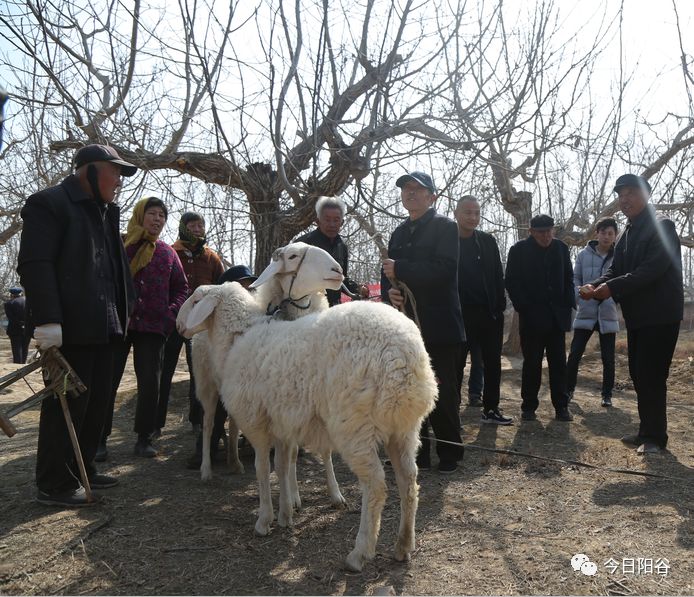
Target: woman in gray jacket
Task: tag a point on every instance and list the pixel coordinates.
(593, 315)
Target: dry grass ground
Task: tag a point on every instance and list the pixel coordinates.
(501, 524)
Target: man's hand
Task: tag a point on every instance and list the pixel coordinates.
(47, 335)
(396, 298)
(602, 292)
(586, 292)
(389, 268)
(364, 291)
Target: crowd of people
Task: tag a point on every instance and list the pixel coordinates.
(98, 295)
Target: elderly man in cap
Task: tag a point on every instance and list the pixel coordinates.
(79, 292)
(423, 254)
(539, 280)
(646, 280)
(201, 266)
(17, 328)
(330, 215)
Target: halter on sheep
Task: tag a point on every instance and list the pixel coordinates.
(299, 268)
(349, 378)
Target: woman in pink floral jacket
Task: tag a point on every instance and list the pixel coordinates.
(161, 288)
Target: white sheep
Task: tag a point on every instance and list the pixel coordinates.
(350, 378)
(291, 286)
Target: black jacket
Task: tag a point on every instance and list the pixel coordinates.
(338, 251)
(492, 273)
(15, 309)
(63, 263)
(645, 277)
(426, 259)
(540, 284)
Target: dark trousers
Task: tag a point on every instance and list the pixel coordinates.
(650, 355)
(445, 418)
(475, 379)
(535, 344)
(20, 347)
(147, 356)
(172, 350)
(56, 469)
(578, 347)
(487, 334)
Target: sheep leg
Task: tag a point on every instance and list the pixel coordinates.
(282, 468)
(209, 406)
(369, 471)
(262, 472)
(235, 465)
(336, 498)
(402, 457)
(293, 484)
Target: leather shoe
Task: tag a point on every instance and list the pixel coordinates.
(632, 440)
(564, 414)
(144, 448)
(99, 481)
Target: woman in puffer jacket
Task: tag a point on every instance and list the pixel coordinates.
(593, 315)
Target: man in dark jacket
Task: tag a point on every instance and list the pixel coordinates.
(330, 215)
(423, 254)
(539, 280)
(17, 329)
(483, 301)
(646, 280)
(79, 293)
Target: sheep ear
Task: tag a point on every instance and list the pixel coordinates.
(201, 311)
(275, 267)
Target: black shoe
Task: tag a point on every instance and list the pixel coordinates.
(72, 498)
(447, 468)
(423, 464)
(494, 417)
(99, 481)
(632, 440)
(474, 400)
(528, 415)
(101, 452)
(144, 448)
(606, 401)
(156, 434)
(563, 414)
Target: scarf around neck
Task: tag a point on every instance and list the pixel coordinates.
(136, 233)
(195, 244)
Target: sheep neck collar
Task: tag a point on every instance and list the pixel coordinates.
(284, 303)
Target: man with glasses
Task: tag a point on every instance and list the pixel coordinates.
(646, 280)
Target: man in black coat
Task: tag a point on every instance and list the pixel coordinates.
(330, 215)
(646, 280)
(423, 254)
(79, 292)
(17, 329)
(539, 280)
(483, 301)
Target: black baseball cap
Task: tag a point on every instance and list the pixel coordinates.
(632, 180)
(102, 153)
(542, 222)
(419, 177)
(236, 273)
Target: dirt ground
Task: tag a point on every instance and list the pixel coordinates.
(500, 525)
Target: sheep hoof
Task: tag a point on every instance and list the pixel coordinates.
(354, 561)
(339, 502)
(237, 469)
(285, 520)
(262, 528)
(403, 549)
(205, 475)
(296, 503)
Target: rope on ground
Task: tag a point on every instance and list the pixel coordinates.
(609, 469)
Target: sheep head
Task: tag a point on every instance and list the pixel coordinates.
(303, 268)
(226, 307)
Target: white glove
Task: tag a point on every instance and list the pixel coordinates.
(47, 335)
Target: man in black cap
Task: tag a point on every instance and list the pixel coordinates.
(17, 329)
(330, 216)
(539, 280)
(423, 254)
(646, 280)
(79, 293)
